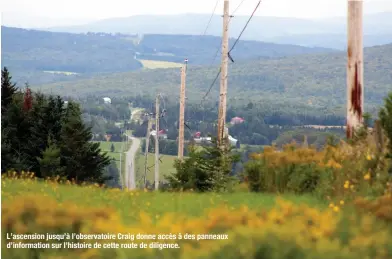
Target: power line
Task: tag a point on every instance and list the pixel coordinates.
(235, 43)
(246, 25)
(236, 9)
(212, 15)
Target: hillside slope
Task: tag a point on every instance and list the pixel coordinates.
(200, 50)
(32, 54)
(30, 50)
(314, 80)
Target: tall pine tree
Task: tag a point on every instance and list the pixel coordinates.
(82, 159)
(8, 89)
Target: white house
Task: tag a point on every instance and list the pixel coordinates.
(200, 140)
(107, 100)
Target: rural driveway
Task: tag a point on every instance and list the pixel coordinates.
(130, 176)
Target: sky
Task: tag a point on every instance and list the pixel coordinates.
(67, 12)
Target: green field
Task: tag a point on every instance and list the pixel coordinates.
(275, 226)
(165, 167)
(154, 64)
(105, 147)
(62, 73)
(153, 203)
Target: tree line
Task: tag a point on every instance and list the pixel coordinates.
(262, 124)
(43, 134)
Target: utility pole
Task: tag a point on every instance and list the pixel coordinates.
(182, 113)
(355, 89)
(157, 115)
(223, 81)
(146, 150)
(121, 178)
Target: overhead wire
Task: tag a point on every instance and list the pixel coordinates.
(238, 7)
(212, 15)
(246, 25)
(235, 43)
(215, 56)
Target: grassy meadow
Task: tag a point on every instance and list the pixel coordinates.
(62, 72)
(105, 147)
(155, 64)
(165, 167)
(305, 204)
(257, 225)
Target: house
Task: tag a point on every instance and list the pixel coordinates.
(205, 140)
(236, 120)
(162, 134)
(107, 100)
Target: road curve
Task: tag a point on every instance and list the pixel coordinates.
(130, 175)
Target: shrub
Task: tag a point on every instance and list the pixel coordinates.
(341, 170)
(206, 169)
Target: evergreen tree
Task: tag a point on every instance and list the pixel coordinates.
(8, 89)
(15, 135)
(50, 163)
(83, 159)
(207, 169)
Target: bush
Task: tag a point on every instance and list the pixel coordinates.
(205, 169)
(292, 170)
(341, 170)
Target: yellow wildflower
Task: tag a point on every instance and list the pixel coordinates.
(342, 202)
(367, 176)
(336, 208)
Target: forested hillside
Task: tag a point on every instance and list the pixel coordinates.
(201, 50)
(41, 57)
(313, 81)
(78, 53)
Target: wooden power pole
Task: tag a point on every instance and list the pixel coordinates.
(157, 115)
(182, 113)
(355, 89)
(223, 82)
(146, 150)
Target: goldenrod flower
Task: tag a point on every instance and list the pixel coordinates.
(367, 176)
(342, 202)
(336, 208)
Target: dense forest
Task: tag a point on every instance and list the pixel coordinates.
(315, 82)
(43, 134)
(34, 55)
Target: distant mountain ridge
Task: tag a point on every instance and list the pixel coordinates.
(261, 28)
